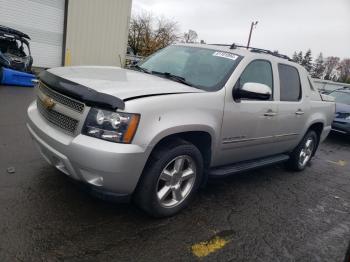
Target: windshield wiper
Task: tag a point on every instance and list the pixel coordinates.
(170, 76)
(139, 68)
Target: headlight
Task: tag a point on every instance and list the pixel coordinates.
(111, 126)
(345, 116)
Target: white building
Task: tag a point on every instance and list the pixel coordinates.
(71, 32)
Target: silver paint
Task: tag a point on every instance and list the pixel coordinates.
(250, 131)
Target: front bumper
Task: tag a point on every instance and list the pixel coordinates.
(106, 167)
(341, 126)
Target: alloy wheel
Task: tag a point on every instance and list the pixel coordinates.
(176, 181)
(306, 152)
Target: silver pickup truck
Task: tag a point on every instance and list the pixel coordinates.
(154, 134)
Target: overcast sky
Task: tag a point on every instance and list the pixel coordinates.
(284, 25)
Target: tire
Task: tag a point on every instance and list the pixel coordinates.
(304, 152)
(163, 191)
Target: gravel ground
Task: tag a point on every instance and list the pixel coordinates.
(265, 215)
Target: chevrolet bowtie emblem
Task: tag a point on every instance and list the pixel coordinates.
(48, 102)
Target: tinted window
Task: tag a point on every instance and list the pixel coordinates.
(290, 87)
(258, 71)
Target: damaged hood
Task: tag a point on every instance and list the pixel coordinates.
(121, 83)
(12, 32)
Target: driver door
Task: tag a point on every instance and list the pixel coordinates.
(249, 125)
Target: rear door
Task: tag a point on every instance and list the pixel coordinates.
(292, 107)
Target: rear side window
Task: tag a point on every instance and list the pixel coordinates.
(290, 87)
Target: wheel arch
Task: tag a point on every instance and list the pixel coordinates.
(317, 121)
(318, 128)
(203, 140)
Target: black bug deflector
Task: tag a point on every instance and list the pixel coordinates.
(82, 93)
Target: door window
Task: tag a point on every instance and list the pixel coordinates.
(290, 87)
(258, 71)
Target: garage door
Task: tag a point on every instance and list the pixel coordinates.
(43, 21)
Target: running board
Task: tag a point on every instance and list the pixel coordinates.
(247, 165)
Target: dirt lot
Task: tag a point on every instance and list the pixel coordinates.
(265, 215)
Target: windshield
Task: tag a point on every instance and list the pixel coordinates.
(202, 68)
(341, 97)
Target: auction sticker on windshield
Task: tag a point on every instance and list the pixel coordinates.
(226, 55)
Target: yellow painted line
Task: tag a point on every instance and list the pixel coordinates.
(205, 248)
(339, 163)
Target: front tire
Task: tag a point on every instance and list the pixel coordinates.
(304, 152)
(170, 179)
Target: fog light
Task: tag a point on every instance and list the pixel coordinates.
(60, 165)
(92, 179)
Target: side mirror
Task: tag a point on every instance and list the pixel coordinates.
(254, 91)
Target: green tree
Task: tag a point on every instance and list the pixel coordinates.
(307, 60)
(300, 57)
(319, 67)
(295, 57)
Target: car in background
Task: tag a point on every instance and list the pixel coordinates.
(131, 58)
(14, 50)
(341, 123)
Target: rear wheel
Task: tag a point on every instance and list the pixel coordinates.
(304, 152)
(170, 179)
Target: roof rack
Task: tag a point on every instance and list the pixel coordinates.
(256, 50)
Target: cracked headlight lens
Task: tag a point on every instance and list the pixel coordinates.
(111, 126)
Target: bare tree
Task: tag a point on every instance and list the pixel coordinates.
(345, 70)
(190, 37)
(140, 32)
(147, 34)
(331, 65)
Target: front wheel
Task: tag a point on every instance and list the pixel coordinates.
(304, 152)
(170, 180)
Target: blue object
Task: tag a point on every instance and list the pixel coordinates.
(16, 78)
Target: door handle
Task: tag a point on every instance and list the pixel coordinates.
(270, 113)
(299, 112)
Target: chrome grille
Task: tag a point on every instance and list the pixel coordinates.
(62, 121)
(64, 100)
